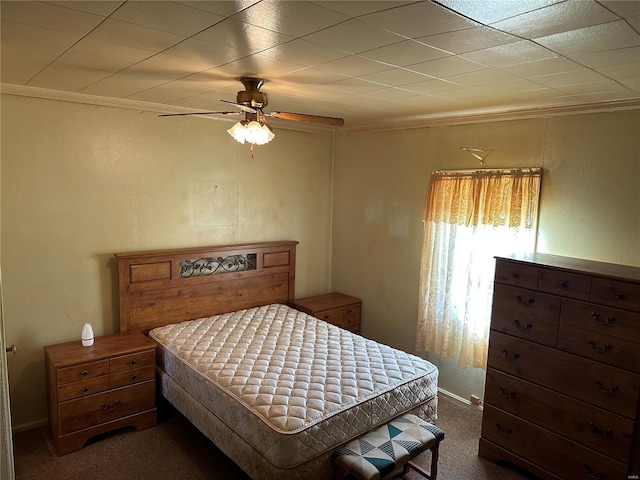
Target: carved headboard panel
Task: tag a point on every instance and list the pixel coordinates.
(169, 286)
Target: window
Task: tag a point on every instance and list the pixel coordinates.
(470, 217)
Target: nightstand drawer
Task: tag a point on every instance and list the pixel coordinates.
(82, 371)
(129, 377)
(563, 283)
(103, 407)
(513, 273)
(616, 294)
(83, 388)
(344, 317)
(134, 360)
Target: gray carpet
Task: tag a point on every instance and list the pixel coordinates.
(176, 450)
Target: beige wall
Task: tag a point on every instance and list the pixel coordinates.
(81, 182)
(589, 208)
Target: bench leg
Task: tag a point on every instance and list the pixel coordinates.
(433, 473)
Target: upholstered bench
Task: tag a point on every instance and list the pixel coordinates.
(393, 445)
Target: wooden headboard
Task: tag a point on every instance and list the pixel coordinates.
(168, 286)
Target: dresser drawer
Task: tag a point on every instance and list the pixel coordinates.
(344, 317)
(524, 323)
(82, 371)
(134, 360)
(594, 427)
(564, 283)
(83, 388)
(129, 377)
(104, 407)
(529, 303)
(616, 294)
(548, 450)
(517, 274)
(601, 320)
(615, 351)
(592, 382)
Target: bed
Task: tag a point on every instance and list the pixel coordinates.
(275, 389)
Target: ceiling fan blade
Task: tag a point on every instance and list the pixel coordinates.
(242, 107)
(197, 113)
(302, 117)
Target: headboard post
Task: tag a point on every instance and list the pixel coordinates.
(159, 287)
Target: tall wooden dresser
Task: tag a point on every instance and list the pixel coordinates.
(563, 377)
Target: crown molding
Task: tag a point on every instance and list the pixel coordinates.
(422, 122)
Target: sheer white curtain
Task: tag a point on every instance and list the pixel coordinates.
(470, 217)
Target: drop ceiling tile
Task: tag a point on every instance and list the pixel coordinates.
(557, 18)
(547, 66)
(22, 61)
(68, 77)
(166, 16)
(605, 97)
(125, 84)
(446, 67)
(115, 31)
(469, 40)
(624, 8)
(488, 12)
(390, 93)
(256, 65)
(303, 78)
(354, 36)
(361, 7)
(481, 77)
(304, 53)
(608, 57)
(221, 7)
(511, 54)
(354, 86)
(102, 8)
(432, 86)
(80, 60)
(49, 16)
(394, 77)
(179, 89)
(568, 78)
(404, 53)
(633, 83)
(169, 66)
(36, 35)
(418, 20)
(291, 18)
(595, 87)
(204, 51)
(124, 54)
(608, 36)
(243, 37)
(635, 22)
(356, 65)
(621, 71)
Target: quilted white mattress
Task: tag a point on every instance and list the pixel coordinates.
(292, 386)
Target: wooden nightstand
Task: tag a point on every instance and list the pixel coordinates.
(336, 308)
(92, 390)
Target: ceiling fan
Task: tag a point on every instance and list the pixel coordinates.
(251, 101)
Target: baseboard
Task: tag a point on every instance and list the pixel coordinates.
(29, 426)
(457, 397)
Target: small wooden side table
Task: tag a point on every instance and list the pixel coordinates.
(336, 308)
(96, 389)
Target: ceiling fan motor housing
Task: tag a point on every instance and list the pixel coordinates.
(251, 95)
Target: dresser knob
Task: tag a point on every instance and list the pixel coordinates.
(326, 317)
(600, 433)
(525, 303)
(603, 349)
(597, 319)
(133, 377)
(620, 296)
(111, 408)
(85, 373)
(85, 389)
(608, 391)
(515, 275)
(521, 326)
(506, 394)
(515, 356)
(503, 431)
(132, 362)
(564, 284)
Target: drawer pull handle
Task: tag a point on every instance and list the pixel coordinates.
(620, 296)
(506, 394)
(503, 431)
(85, 373)
(598, 432)
(522, 302)
(85, 389)
(521, 326)
(108, 408)
(608, 321)
(132, 362)
(349, 311)
(592, 474)
(515, 356)
(564, 284)
(609, 391)
(594, 347)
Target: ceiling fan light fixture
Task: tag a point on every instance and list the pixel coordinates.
(251, 132)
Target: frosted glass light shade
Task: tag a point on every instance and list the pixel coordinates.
(252, 132)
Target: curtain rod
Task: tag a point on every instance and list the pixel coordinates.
(491, 170)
